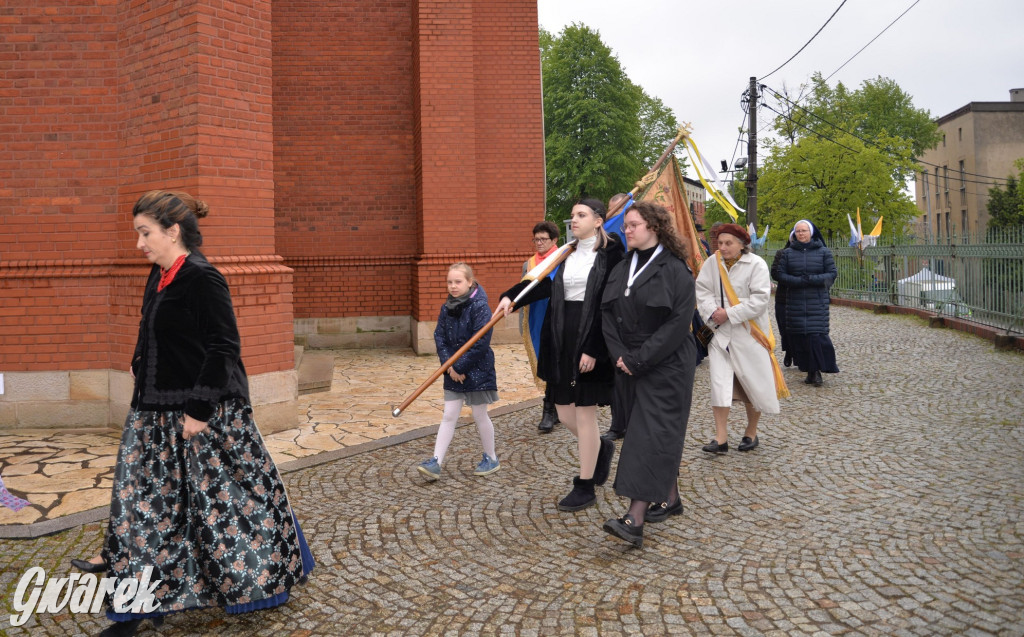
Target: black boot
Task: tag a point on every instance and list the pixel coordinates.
(817, 379)
(581, 496)
(604, 462)
(548, 418)
(121, 629)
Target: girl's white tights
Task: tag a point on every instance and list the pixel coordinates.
(446, 431)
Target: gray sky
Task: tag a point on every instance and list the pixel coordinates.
(698, 57)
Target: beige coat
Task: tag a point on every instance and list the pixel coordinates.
(733, 352)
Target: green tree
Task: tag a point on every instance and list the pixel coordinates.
(876, 112)
(841, 150)
(824, 180)
(1005, 205)
(602, 131)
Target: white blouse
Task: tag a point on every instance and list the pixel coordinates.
(577, 269)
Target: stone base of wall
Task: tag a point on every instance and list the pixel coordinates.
(100, 399)
(361, 332)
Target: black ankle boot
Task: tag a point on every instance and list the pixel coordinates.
(817, 379)
(581, 496)
(121, 629)
(604, 462)
(548, 418)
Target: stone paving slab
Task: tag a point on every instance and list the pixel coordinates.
(887, 502)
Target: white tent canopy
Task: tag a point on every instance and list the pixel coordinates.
(925, 288)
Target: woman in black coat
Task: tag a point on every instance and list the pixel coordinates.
(647, 309)
(780, 307)
(573, 358)
(807, 270)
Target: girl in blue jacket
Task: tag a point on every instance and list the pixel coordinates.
(471, 379)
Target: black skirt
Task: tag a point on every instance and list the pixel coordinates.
(813, 353)
(572, 386)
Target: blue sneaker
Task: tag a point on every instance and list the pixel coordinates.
(430, 468)
(487, 466)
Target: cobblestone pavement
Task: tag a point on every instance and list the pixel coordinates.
(886, 502)
(62, 474)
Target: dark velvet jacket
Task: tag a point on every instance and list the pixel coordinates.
(589, 339)
(454, 328)
(188, 353)
(807, 270)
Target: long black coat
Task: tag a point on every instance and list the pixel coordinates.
(650, 330)
(589, 339)
(807, 270)
(780, 299)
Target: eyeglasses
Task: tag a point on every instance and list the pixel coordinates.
(544, 240)
(630, 227)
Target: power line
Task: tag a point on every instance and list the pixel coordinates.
(890, 163)
(808, 42)
(873, 39)
(867, 141)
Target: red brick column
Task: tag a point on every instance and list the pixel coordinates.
(107, 101)
(479, 145)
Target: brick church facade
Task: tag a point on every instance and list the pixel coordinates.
(349, 151)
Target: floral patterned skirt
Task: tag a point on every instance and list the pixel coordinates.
(210, 514)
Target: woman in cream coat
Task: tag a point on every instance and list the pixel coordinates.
(741, 368)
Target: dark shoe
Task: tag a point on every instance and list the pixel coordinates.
(581, 496)
(810, 378)
(604, 462)
(613, 435)
(747, 444)
(817, 379)
(625, 528)
(714, 447)
(121, 629)
(661, 511)
(787, 360)
(88, 567)
(548, 418)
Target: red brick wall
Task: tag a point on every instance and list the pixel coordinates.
(58, 183)
(370, 144)
(100, 102)
(479, 141)
(343, 154)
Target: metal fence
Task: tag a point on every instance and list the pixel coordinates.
(977, 278)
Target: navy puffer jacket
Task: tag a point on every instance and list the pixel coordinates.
(454, 328)
(807, 270)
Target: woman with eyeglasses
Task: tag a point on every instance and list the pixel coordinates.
(573, 357)
(646, 310)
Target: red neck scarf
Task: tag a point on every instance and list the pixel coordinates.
(166, 276)
(541, 257)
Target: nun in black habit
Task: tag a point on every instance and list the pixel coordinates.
(647, 308)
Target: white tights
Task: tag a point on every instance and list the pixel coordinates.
(446, 431)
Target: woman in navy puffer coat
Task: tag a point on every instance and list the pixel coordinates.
(471, 379)
(807, 270)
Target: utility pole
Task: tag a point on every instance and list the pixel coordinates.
(752, 155)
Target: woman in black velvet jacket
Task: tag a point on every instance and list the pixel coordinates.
(196, 496)
(573, 357)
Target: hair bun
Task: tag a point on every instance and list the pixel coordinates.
(201, 209)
